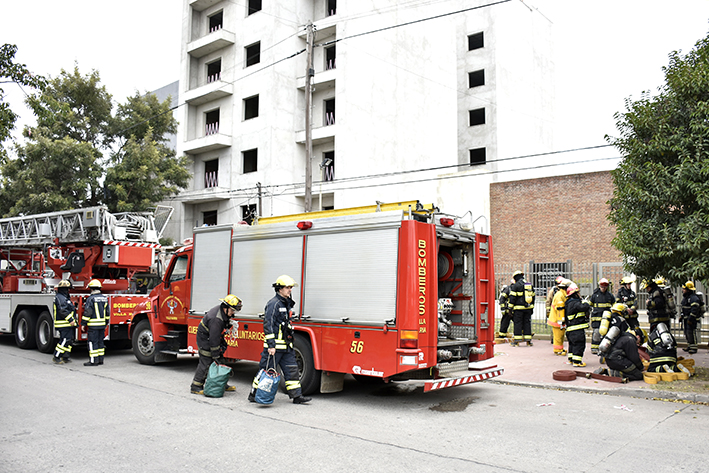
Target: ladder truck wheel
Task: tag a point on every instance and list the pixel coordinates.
(45, 333)
(143, 343)
(25, 326)
(309, 376)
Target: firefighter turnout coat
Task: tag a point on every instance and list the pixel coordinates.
(277, 328)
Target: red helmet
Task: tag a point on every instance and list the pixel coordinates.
(603, 282)
(572, 289)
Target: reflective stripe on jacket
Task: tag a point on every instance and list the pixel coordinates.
(96, 311)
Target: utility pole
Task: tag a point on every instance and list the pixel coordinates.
(258, 185)
(309, 73)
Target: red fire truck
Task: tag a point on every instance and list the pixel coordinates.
(37, 251)
(392, 292)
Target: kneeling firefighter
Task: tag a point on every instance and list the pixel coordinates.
(622, 355)
(278, 341)
(210, 339)
(663, 350)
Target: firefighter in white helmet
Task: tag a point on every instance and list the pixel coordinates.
(64, 321)
(601, 301)
(210, 339)
(96, 317)
(278, 341)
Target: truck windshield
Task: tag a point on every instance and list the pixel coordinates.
(179, 270)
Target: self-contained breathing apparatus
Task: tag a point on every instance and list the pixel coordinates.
(608, 339)
(661, 336)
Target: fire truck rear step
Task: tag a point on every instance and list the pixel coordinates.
(462, 377)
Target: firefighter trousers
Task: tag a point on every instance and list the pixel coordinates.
(577, 344)
(200, 376)
(289, 367)
(558, 339)
(96, 346)
(523, 325)
(505, 321)
(691, 333)
(595, 335)
(65, 343)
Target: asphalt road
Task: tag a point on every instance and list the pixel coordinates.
(124, 416)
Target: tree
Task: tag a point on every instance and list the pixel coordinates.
(59, 168)
(660, 205)
(144, 170)
(19, 74)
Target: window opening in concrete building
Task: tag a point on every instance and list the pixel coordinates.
(475, 41)
(211, 173)
(214, 71)
(331, 7)
(216, 21)
(477, 116)
(330, 57)
(248, 212)
(329, 112)
(476, 78)
(254, 6)
(253, 54)
(211, 122)
(250, 158)
(477, 156)
(209, 218)
(251, 107)
(328, 166)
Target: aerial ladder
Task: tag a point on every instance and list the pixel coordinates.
(37, 251)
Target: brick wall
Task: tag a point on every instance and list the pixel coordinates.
(553, 219)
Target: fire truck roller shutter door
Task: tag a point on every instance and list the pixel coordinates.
(210, 266)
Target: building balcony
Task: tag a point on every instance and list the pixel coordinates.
(202, 196)
(320, 135)
(321, 80)
(207, 143)
(212, 42)
(199, 5)
(208, 92)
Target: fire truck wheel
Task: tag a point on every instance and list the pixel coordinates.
(309, 376)
(45, 333)
(143, 343)
(25, 330)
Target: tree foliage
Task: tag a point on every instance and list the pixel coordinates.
(660, 204)
(80, 154)
(19, 74)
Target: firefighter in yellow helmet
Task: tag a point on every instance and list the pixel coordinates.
(278, 341)
(96, 317)
(210, 339)
(622, 357)
(627, 296)
(657, 310)
(64, 321)
(691, 318)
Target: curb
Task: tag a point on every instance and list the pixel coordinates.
(620, 392)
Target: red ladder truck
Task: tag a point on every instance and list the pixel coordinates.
(37, 251)
(392, 292)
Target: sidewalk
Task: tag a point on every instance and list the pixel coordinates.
(533, 366)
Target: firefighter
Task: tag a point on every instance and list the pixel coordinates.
(505, 310)
(691, 317)
(576, 321)
(210, 339)
(601, 301)
(95, 318)
(278, 340)
(615, 317)
(522, 301)
(627, 296)
(556, 317)
(663, 350)
(551, 293)
(656, 303)
(64, 322)
(623, 358)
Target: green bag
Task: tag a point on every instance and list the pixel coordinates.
(216, 380)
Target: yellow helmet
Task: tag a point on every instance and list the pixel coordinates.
(626, 280)
(641, 333)
(573, 288)
(284, 281)
(95, 284)
(660, 281)
(64, 283)
(689, 285)
(232, 301)
(619, 308)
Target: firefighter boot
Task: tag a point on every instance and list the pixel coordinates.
(195, 389)
(252, 396)
(301, 399)
(88, 363)
(229, 387)
(58, 361)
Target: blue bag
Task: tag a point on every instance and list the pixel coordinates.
(217, 378)
(268, 381)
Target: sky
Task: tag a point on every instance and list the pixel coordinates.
(605, 50)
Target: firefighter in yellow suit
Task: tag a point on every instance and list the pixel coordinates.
(556, 317)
